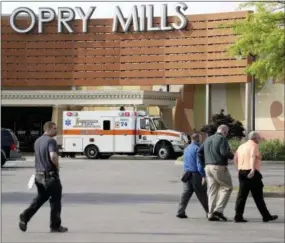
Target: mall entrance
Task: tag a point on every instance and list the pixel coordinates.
(26, 122)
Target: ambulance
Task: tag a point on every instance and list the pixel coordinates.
(101, 134)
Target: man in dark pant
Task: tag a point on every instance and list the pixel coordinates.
(193, 178)
(248, 163)
(47, 180)
(49, 187)
(255, 186)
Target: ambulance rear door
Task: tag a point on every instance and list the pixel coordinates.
(105, 137)
(125, 133)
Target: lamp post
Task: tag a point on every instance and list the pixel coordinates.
(253, 83)
(253, 98)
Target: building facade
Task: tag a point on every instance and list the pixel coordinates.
(103, 70)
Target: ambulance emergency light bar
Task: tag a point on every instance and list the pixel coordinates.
(127, 113)
(121, 113)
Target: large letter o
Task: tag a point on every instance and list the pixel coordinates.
(21, 10)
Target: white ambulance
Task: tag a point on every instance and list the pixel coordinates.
(101, 134)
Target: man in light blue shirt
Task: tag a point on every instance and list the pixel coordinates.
(193, 178)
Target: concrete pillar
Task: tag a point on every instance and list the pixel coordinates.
(208, 104)
(247, 108)
(167, 116)
(57, 117)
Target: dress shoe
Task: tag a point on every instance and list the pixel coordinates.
(240, 220)
(182, 216)
(23, 226)
(220, 216)
(61, 229)
(213, 218)
(271, 218)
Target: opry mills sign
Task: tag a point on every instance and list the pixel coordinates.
(141, 17)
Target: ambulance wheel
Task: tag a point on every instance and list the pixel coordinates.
(164, 151)
(92, 152)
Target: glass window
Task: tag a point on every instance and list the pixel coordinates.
(6, 137)
(142, 124)
(159, 124)
(106, 125)
(152, 127)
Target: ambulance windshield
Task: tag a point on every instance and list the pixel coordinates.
(159, 124)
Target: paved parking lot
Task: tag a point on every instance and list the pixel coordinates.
(130, 200)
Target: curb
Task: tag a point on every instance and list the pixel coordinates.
(274, 194)
(267, 194)
(178, 162)
(274, 162)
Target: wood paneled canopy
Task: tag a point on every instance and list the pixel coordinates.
(196, 55)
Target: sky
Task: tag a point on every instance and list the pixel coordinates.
(106, 9)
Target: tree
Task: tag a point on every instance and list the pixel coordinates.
(262, 36)
(236, 129)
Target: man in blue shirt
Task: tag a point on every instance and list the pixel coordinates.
(193, 178)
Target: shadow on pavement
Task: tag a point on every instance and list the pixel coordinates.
(114, 157)
(120, 158)
(148, 233)
(20, 167)
(123, 233)
(93, 198)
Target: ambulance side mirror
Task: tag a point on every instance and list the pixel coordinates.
(147, 126)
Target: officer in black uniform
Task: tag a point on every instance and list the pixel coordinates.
(47, 180)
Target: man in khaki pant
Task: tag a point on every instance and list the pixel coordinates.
(215, 151)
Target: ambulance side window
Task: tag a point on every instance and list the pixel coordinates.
(146, 124)
(142, 124)
(106, 125)
(151, 126)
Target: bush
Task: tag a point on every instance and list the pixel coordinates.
(272, 150)
(236, 129)
(235, 143)
(269, 149)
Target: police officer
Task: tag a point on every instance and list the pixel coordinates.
(47, 180)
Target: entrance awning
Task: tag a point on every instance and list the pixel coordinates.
(87, 98)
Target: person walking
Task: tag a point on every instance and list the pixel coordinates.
(193, 178)
(247, 161)
(215, 150)
(47, 180)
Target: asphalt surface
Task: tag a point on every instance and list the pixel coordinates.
(130, 200)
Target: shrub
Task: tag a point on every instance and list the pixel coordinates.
(236, 129)
(269, 149)
(272, 150)
(235, 143)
